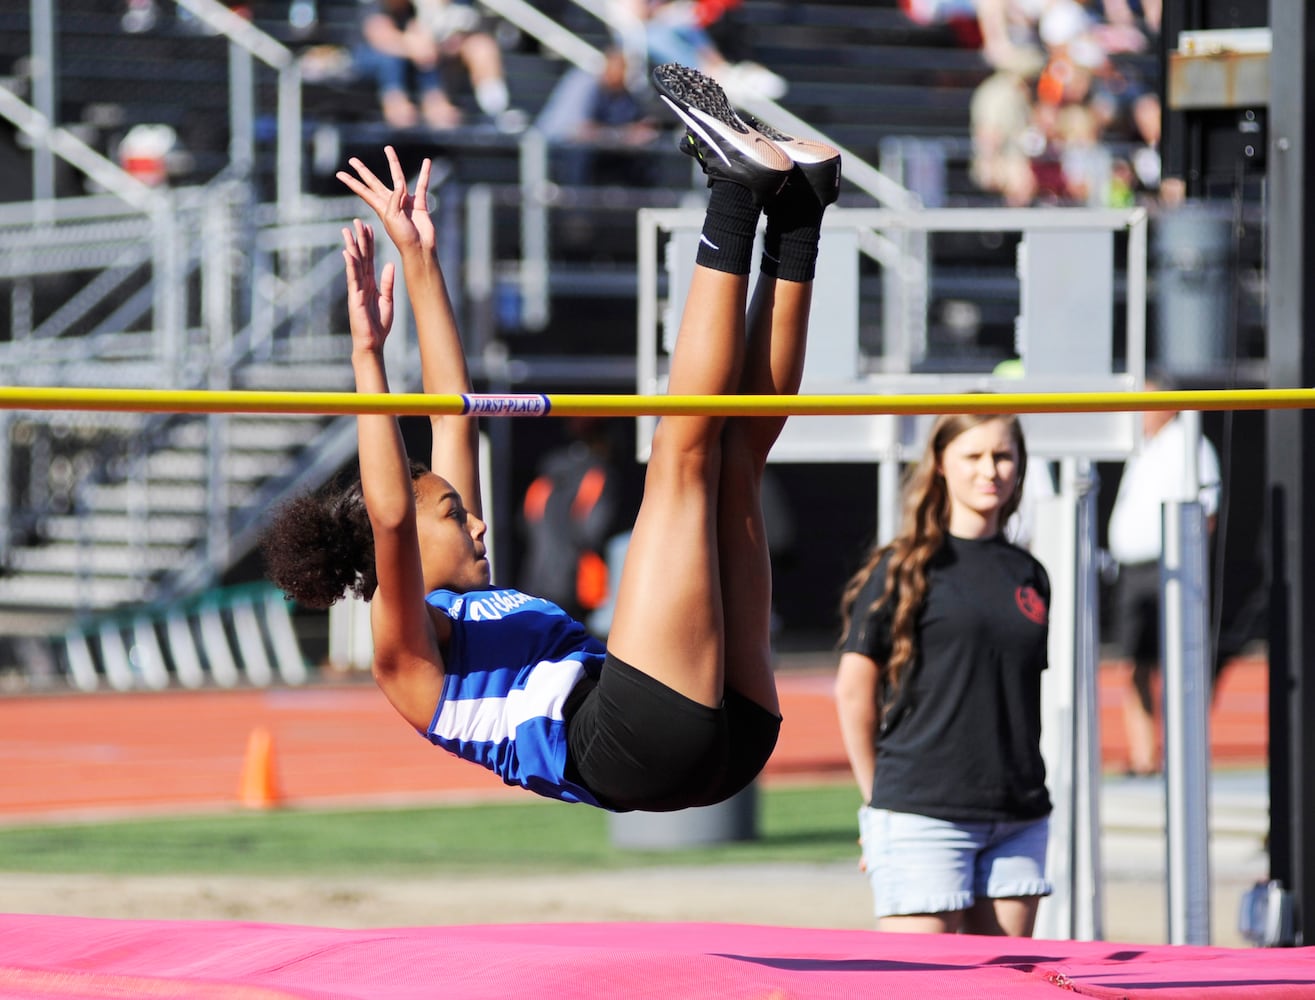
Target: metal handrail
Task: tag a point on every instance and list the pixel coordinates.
(245, 37)
(548, 33)
(68, 147)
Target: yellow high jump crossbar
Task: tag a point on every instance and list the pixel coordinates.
(619, 405)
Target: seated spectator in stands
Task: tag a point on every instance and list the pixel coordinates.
(959, 16)
(1009, 33)
(1070, 165)
(1141, 15)
(598, 111)
(1145, 157)
(618, 114)
(732, 33)
(1084, 159)
(1054, 159)
(404, 45)
(722, 21)
(1000, 115)
(139, 16)
(142, 15)
(1127, 108)
(1045, 153)
(672, 33)
(1074, 54)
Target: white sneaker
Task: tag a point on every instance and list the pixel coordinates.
(748, 79)
(511, 121)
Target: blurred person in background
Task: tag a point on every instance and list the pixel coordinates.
(1154, 474)
(570, 510)
(403, 46)
(602, 121)
(677, 31)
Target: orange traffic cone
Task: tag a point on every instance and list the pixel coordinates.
(260, 787)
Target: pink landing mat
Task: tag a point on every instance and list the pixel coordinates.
(80, 959)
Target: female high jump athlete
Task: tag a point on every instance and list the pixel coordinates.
(680, 708)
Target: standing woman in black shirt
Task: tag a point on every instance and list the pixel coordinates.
(939, 695)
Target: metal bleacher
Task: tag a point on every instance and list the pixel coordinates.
(230, 277)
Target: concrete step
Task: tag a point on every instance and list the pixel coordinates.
(164, 497)
(194, 466)
(252, 433)
(318, 375)
(160, 527)
(61, 592)
(98, 560)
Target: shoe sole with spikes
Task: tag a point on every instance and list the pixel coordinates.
(724, 145)
(818, 162)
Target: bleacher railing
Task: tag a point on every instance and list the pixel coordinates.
(246, 43)
(226, 637)
(195, 287)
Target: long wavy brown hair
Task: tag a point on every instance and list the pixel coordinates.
(922, 532)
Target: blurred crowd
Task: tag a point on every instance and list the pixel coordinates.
(1070, 114)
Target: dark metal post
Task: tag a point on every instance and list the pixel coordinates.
(1291, 467)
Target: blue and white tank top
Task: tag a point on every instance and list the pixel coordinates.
(510, 664)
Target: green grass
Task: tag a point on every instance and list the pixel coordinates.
(806, 825)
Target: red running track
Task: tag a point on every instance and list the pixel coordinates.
(71, 755)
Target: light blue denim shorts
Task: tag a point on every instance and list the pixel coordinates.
(917, 864)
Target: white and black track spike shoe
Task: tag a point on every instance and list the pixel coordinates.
(724, 145)
(818, 162)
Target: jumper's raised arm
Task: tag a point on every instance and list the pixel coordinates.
(406, 220)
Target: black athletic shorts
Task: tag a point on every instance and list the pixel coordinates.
(1137, 611)
(638, 745)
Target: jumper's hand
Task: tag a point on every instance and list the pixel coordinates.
(405, 216)
(369, 302)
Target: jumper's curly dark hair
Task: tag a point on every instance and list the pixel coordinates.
(926, 518)
(319, 547)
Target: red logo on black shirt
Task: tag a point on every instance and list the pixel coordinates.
(1030, 603)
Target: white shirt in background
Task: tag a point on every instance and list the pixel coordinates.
(1150, 477)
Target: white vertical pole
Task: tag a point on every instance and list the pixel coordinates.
(1052, 543)
(1064, 541)
(1088, 877)
(1186, 723)
(888, 499)
(1184, 638)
